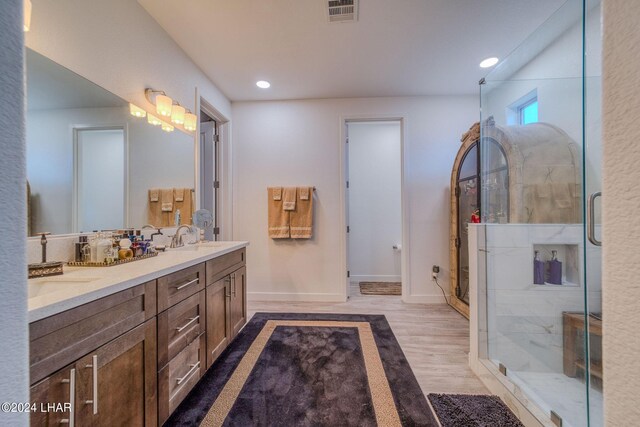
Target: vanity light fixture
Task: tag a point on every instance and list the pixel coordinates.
(190, 121)
(153, 120)
(27, 14)
(167, 127)
(489, 62)
(136, 111)
(263, 84)
(177, 114)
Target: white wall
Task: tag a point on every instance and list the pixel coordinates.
(621, 199)
(119, 46)
(156, 159)
(556, 74)
(14, 357)
(375, 204)
(299, 143)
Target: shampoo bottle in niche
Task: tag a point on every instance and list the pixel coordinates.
(538, 270)
(555, 269)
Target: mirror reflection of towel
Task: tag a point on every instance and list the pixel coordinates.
(178, 194)
(154, 195)
(167, 199)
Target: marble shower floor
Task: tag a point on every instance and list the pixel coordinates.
(433, 337)
(567, 394)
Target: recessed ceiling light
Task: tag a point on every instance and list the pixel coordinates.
(489, 62)
(262, 84)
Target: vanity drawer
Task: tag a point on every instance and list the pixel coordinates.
(179, 326)
(58, 340)
(177, 379)
(219, 267)
(180, 285)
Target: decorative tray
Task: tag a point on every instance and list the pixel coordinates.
(111, 264)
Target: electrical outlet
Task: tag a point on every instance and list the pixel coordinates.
(434, 272)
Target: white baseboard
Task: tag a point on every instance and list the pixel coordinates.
(424, 299)
(363, 278)
(293, 296)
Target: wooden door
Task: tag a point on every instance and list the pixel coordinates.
(117, 383)
(238, 300)
(219, 330)
(55, 399)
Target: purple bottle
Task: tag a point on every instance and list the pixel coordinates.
(538, 270)
(555, 269)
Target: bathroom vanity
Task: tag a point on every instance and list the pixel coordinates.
(124, 345)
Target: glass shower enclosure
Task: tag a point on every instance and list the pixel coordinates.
(540, 177)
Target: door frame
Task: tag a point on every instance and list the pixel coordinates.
(74, 195)
(404, 199)
(224, 198)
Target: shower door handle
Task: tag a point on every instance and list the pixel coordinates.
(591, 221)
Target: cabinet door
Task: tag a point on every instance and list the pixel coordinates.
(238, 300)
(117, 383)
(55, 399)
(218, 297)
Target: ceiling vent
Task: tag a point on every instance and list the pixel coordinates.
(342, 10)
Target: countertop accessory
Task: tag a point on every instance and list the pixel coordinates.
(116, 262)
(45, 268)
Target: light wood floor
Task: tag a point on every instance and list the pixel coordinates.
(434, 337)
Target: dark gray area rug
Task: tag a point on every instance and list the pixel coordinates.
(308, 375)
(465, 410)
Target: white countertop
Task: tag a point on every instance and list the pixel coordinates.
(80, 285)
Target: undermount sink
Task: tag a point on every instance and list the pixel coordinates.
(198, 246)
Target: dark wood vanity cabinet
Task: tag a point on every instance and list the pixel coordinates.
(130, 358)
(226, 301)
(117, 381)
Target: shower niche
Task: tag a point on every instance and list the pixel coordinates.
(530, 175)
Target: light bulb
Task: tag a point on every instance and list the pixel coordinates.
(153, 120)
(190, 121)
(263, 84)
(136, 111)
(164, 105)
(177, 114)
(167, 127)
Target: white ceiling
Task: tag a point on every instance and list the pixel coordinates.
(396, 48)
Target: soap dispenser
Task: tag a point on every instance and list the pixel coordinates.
(538, 269)
(555, 269)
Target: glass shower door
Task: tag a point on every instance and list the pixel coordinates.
(542, 259)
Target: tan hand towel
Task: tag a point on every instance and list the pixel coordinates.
(167, 199)
(562, 195)
(304, 192)
(154, 195)
(178, 194)
(278, 219)
(289, 198)
(301, 221)
(277, 193)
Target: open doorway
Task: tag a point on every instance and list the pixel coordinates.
(374, 207)
(209, 182)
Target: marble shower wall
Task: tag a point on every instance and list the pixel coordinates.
(524, 320)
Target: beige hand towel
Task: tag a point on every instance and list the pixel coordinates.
(278, 219)
(301, 221)
(166, 195)
(178, 194)
(277, 193)
(289, 198)
(154, 195)
(304, 192)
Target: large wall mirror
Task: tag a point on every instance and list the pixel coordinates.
(91, 164)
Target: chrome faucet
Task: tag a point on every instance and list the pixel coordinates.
(176, 240)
